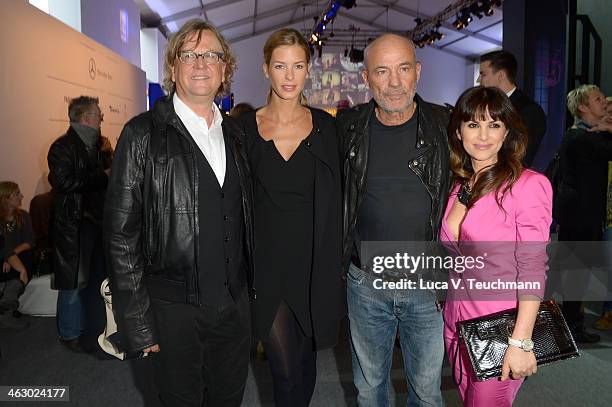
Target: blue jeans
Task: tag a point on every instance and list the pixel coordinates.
(69, 314)
(375, 315)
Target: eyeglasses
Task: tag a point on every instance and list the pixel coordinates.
(209, 57)
(99, 114)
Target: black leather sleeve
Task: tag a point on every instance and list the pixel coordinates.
(63, 175)
(123, 240)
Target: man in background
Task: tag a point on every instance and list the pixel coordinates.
(498, 69)
(78, 180)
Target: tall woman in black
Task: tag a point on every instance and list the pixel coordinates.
(293, 152)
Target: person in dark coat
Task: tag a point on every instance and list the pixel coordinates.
(178, 229)
(396, 180)
(498, 68)
(294, 158)
(583, 180)
(78, 180)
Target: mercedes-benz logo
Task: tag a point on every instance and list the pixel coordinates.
(92, 68)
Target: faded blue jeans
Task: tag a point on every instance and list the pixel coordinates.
(69, 314)
(374, 317)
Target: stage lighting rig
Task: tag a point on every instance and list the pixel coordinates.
(327, 17)
(355, 55)
(426, 32)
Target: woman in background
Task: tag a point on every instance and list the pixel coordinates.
(16, 242)
(297, 211)
(495, 199)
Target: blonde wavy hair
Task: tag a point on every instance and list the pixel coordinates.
(8, 188)
(177, 41)
(577, 97)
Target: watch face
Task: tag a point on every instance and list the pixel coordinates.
(527, 345)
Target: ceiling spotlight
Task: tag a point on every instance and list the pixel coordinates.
(487, 7)
(356, 55)
(314, 37)
(348, 3)
(435, 35)
(476, 10)
(466, 16)
(458, 23)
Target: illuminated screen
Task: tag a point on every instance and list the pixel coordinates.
(335, 81)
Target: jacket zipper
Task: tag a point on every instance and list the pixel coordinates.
(195, 279)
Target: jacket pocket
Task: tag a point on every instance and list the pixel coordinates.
(152, 233)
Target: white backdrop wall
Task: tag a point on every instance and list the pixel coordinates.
(443, 76)
(152, 45)
(114, 24)
(45, 63)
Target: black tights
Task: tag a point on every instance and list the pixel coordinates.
(292, 359)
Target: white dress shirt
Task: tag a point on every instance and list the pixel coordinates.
(209, 140)
(511, 91)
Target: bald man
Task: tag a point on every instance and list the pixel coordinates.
(396, 181)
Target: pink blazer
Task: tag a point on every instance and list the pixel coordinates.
(526, 218)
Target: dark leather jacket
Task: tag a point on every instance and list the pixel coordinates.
(74, 177)
(583, 181)
(432, 166)
(151, 223)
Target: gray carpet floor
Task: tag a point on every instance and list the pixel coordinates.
(35, 357)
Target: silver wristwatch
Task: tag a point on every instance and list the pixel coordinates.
(525, 344)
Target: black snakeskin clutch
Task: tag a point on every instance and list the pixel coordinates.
(486, 339)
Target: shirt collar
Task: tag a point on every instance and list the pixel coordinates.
(582, 124)
(185, 113)
(511, 92)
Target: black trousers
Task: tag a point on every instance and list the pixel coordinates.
(92, 265)
(204, 353)
(572, 310)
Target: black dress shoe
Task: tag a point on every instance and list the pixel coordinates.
(89, 344)
(581, 335)
(72, 344)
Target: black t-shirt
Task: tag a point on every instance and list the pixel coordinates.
(396, 205)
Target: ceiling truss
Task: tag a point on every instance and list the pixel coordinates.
(381, 7)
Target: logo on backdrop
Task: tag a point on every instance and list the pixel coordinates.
(92, 68)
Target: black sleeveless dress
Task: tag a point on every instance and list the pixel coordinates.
(283, 215)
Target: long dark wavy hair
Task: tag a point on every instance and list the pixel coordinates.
(473, 104)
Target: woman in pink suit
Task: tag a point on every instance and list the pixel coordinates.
(495, 200)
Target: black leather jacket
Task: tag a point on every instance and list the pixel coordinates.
(151, 223)
(432, 166)
(74, 178)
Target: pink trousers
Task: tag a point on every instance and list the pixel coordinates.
(474, 393)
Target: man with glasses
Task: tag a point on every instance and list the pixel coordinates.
(178, 229)
(78, 178)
